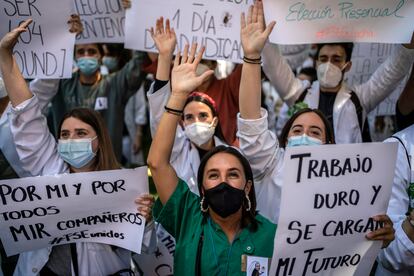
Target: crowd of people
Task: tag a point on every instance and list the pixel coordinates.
(217, 146)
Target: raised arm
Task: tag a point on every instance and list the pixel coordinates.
(254, 34)
(184, 81)
(165, 40)
(14, 82)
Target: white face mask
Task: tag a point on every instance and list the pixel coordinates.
(201, 68)
(200, 133)
(329, 75)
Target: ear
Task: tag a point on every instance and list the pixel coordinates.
(348, 66)
(248, 187)
(215, 121)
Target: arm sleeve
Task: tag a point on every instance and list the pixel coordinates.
(45, 90)
(258, 144)
(35, 145)
(149, 241)
(182, 208)
(386, 78)
(281, 76)
(399, 255)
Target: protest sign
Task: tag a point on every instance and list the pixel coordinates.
(161, 262)
(103, 21)
(45, 50)
(38, 212)
(214, 24)
(329, 195)
(366, 58)
(309, 21)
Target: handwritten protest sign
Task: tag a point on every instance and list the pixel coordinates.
(161, 262)
(329, 195)
(213, 23)
(37, 212)
(103, 21)
(309, 21)
(46, 49)
(366, 58)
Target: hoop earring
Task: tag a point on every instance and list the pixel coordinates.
(249, 204)
(204, 210)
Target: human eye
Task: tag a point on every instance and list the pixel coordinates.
(64, 135)
(212, 175)
(234, 174)
(188, 117)
(80, 51)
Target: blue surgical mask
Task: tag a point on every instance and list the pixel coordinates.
(110, 62)
(88, 65)
(303, 140)
(76, 152)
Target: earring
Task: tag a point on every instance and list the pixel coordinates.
(204, 210)
(249, 204)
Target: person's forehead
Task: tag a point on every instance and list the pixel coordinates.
(74, 123)
(86, 46)
(196, 107)
(223, 160)
(309, 119)
(331, 50)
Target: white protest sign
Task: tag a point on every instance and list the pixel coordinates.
(329, 195)
(310, 21)
(366, 58)
(161, 262)
(45, 50)
(103, 21)
(212, 23)
(38, 212)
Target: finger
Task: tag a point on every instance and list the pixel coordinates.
(158, 26)
(192, 52)
(167, 27)
(260, 15)
(185, 54)
(242, 20)
(249, 15)
(177, 59)
(203, 77)
(25, 24)
(269, 28)
(161, 25)
(199, 56)
(152, 32)
(255, 12)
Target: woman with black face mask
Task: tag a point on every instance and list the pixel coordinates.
(214, 231)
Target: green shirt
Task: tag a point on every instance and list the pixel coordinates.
(182, 218)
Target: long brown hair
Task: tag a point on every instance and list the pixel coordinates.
(105, 156)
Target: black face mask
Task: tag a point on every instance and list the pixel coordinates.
(224, 199)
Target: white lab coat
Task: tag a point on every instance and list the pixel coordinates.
(398, 257)
(185, 158)
(345, 120)
(261, 148)
(37, 149)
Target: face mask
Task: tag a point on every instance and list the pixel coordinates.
(224, 199)
(76, 152)
(303, 140)
(88, 65)
(199, 133)
(329, 75)
(201, 68)
(110, 62)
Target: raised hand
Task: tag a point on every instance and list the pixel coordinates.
(8, 41)
(184, 79)
(254, 32)
(75, 24)
(144, 204)
(164, 37)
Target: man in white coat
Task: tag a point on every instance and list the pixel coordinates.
(345, 107)
(398, 257)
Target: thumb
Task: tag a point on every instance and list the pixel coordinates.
(203, 77)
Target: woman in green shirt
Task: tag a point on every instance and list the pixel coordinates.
(212, 233)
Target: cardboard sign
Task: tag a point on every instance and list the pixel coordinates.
(329, 195)
(103, 21)
(212, 23)
(366, 58)
(309, 21)
(38, 212)
(45, 50)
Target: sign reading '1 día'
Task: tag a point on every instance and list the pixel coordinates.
(384, 21)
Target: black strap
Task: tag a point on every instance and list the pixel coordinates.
(302, 96)
(198, 257)
(74, 256)
(406, 151)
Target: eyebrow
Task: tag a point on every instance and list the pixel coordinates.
(76, 129)
(316, 127)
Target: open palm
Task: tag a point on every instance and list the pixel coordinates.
(165, 38)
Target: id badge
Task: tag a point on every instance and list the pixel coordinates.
(101, 103)
(254, 265)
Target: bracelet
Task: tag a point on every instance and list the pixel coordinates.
(173, 111)
(252, 60)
